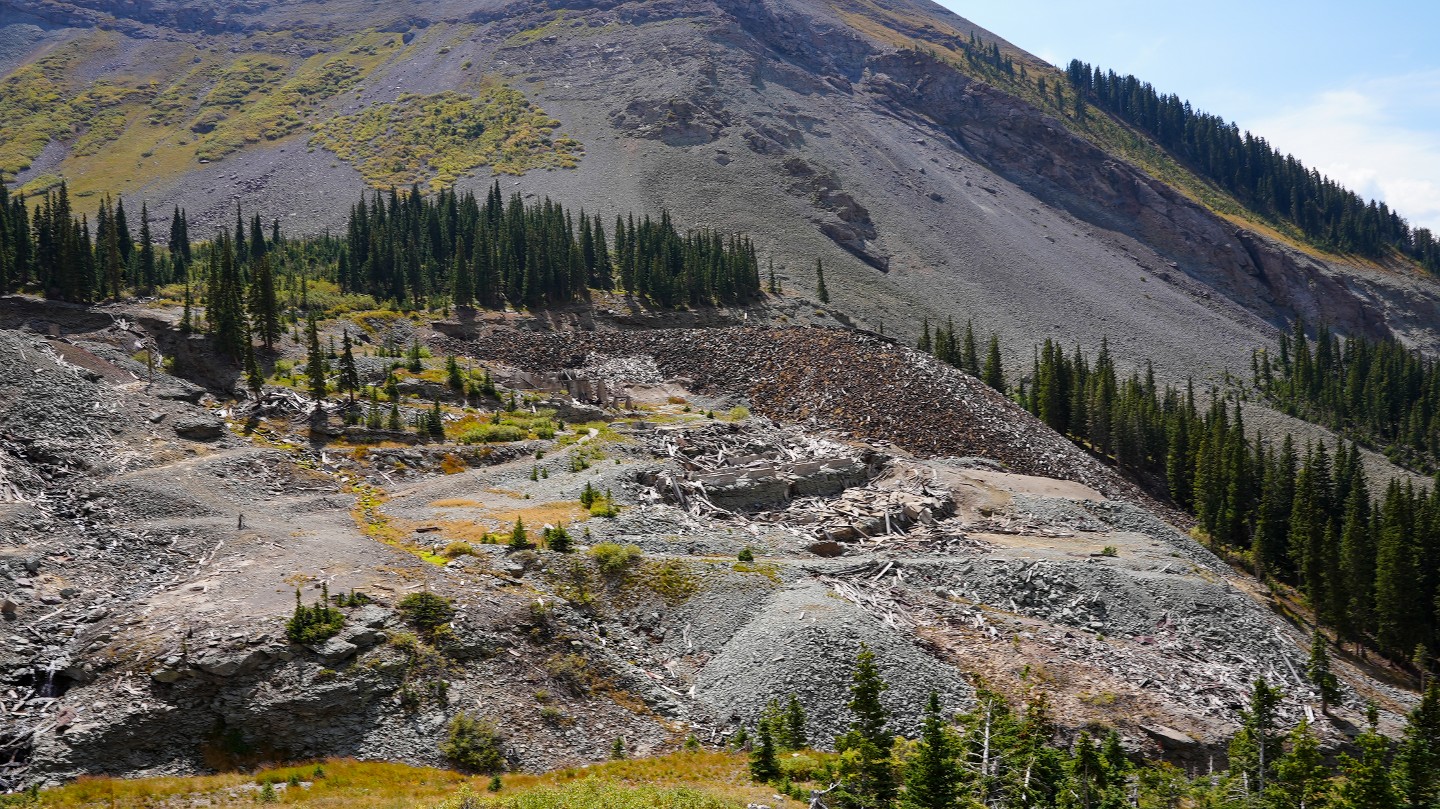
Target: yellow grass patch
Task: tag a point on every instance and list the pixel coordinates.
(705, 780)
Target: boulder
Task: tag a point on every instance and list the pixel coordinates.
(178, 390)
(223, 663)
(334, 650)
(199, 428)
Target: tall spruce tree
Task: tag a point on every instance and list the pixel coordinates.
(349, 375)
(1417, 760)
(314, 360)
(264, 303)
(146, 255)
(932, 775)
(870, 780)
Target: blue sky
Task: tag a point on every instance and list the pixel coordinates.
(1352, 89)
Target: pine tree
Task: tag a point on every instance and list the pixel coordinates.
(463, 288)
(1300, 778)
(969, 359)
(349, 374)
(820, 290)
(453, 379)
(147, 250)
(932, 775)
(1417, 760)
(1318, 671)
(763, 767)
(1366, 783)
(1086, 774)
(254, 380)
(868, 743)
(994, 374)
(795, 735)
(264, 305)
(1255, 749)
(519, 540)
(314, 360)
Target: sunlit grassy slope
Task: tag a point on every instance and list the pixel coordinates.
(180, 105)
(682, 781)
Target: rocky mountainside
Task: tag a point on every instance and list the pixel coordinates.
(843, 130)
(156, 538)
(157, 523)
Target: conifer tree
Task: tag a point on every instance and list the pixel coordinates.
(1319, 674)
(1417, 760)
(969, 359)
(519, 540)
(820, 290)
(871, 780)
(146, 254)
(453, 379)
(463, 289)
(1300, 778)
(264, 304)
(763, 767)
(314, 360)
(994, 373)
(349, 374)
(1366, 782)
(1255, 748)
(254, 380)
(794, 725)
(932, 775)
(124, 241)
(224, 310)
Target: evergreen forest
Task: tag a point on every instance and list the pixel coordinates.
(1275, 185)
(402, 248)
(1367, 562)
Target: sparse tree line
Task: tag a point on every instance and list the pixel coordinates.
(995, 755)
(1273, 184)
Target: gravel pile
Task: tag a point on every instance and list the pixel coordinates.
(804, 641)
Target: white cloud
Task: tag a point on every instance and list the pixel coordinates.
(1379, 137)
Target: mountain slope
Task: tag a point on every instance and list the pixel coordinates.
(814, 126)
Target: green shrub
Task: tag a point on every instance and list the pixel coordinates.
(314, 624)
(457, 548)
(745, 555)
(492, 434)
(671, 579)
(557, 539)
(1110, 550)
(474, 745)
(614, 559)
(426, 611)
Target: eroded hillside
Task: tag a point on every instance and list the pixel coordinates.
(157, 536)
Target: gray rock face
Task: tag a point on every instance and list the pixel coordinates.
(230, 663)
(334, 650)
